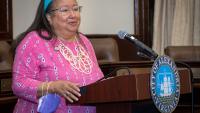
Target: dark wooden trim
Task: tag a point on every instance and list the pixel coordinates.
(10, 20)
(137, 17)
(143, 19)
(7, 33)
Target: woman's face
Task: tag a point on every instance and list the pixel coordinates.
(65, 17)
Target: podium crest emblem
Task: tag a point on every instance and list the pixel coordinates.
(165, 84)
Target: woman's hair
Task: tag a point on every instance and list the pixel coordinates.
(39, 25)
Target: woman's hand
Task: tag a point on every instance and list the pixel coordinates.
(68, 90)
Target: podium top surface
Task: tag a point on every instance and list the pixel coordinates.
(134, 87)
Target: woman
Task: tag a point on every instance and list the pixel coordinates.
(53, 57)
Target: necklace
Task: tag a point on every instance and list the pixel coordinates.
(81, 61)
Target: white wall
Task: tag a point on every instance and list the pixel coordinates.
(23, 14)
(98, 16)
(106, 16)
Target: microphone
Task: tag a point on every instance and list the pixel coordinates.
(143, 48)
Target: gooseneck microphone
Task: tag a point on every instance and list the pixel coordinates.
(143, 48)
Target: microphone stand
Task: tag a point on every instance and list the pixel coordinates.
(147, 55)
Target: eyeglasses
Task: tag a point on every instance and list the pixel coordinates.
(67, 10)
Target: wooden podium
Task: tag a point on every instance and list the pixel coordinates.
(118, 94)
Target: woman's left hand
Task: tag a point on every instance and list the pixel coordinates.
(67, 89)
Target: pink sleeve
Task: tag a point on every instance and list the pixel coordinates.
(25, 69)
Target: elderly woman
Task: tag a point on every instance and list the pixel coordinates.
(52, 57)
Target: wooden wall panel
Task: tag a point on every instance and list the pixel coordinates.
(6, 20)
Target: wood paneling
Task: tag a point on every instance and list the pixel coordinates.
(127, 51)
(143, 16)
(6, 20)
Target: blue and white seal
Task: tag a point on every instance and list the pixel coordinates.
(165, 84)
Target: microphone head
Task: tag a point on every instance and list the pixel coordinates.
(122, 34)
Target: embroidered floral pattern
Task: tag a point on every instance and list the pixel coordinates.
(81, 61)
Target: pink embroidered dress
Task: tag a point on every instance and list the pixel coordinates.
(38, 60)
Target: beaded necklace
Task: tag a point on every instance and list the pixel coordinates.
(81, 61)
